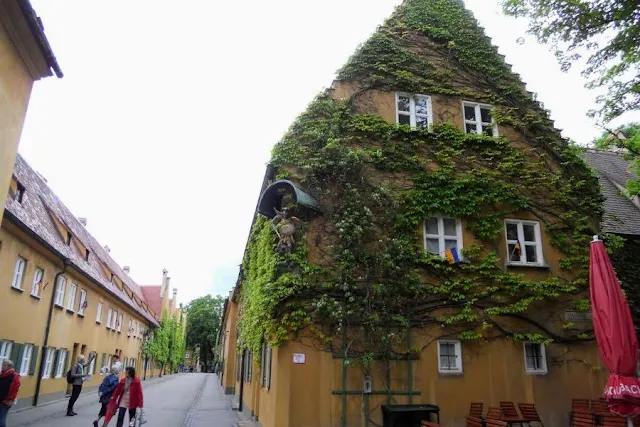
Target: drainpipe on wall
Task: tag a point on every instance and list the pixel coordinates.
(65, 265)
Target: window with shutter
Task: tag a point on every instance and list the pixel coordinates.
(34, 360)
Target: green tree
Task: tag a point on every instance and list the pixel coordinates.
(606, 32)
(628, 138)
(160, 342)
(203, 324)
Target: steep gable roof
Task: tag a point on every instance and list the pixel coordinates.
(41, 208)
(153, 298)
(621, 215)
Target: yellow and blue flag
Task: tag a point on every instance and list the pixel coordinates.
(452, 255)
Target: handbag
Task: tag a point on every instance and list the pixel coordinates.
(142, 418)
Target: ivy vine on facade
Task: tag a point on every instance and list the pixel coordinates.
(443, 228)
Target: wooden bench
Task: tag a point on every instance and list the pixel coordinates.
(495, 423)
(429, 424)
(494, 413)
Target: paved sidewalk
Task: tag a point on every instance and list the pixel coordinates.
(181, 400)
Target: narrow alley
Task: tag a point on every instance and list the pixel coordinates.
(171, 401)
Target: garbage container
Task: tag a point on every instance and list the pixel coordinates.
(409, 415)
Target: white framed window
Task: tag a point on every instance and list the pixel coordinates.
(442, 233)
(524, 242)
(62, 358)
(265, 366)
(71, 301)
(449, 357)
(535, 358)
(48, 362)
(119, 324)
(99, 313)
(92, 365)
(36, 285)
(413, 110)
(109, 316)
(60, 287)
(25, 363)
(82, 304)
(130, 330)
(477, 119)
(5, 350)
(18, 273)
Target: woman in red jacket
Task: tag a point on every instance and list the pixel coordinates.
(128, 395)
(9, 386)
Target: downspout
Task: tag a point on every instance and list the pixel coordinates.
(65, 265)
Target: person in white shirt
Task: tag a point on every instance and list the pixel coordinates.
(116, 363)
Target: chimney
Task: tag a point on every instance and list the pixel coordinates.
(126, 269)
(107, 248)
(164, 289)
(83, 221)
(175, 293)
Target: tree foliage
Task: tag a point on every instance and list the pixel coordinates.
(203, 325)
(626, 138)
(607, 32)
(166, 345)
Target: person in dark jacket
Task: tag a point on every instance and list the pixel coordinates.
(108, 386)
(128, 396)
(9, 387)
(78, 375)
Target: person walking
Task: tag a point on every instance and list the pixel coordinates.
(9, 387)
(116, 363)
(78, 377)
(128, 396)
(108, 386)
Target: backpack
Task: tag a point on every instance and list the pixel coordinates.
(69, 377)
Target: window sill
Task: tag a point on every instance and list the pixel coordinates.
(534, 266)
(70, 311)
(58, 306)
(537, 372)
(451, 373)
(17, 289)
(38, 297)
(98, 322)
(80, 314)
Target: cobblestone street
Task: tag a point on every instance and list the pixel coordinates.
(187, 400)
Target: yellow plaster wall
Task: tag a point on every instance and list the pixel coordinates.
(15, 90)
(23, 317)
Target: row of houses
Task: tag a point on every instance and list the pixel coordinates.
(392, 172)
(61, 293)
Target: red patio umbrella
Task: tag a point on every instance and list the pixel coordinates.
(615, 334)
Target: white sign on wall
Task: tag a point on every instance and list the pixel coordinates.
(299, 358)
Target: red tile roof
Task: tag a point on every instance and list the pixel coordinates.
(153, 298)
(36, 212)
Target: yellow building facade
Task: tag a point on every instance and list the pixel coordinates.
(25, 56)
(310, 382)
(62, 294)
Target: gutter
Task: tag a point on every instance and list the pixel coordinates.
(37, 30)
(65, 264)
(16, 221)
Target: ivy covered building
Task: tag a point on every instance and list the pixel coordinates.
(422, 236)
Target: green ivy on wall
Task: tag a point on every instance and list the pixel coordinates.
(378, 181)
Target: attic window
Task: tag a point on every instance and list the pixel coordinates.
(478, 119)
(68, 240)
(87, 252)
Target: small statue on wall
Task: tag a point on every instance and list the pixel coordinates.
(285, 228)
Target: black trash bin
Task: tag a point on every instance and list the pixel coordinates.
(409, 415)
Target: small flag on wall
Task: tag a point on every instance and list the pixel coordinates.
(452, 255)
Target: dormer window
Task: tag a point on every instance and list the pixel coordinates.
(68, 238)
(413, 110)
(87, 252)
(477, 119)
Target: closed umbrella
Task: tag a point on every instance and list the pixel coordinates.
(615, 334)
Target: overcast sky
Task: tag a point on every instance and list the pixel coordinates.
(161, 128)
